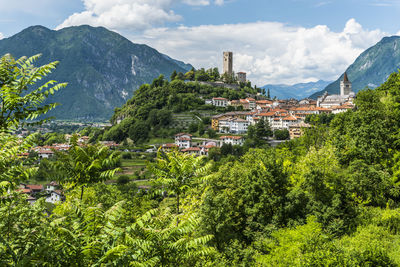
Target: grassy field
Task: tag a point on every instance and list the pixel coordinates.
(133, 162)
(130, 166)
(159, 141)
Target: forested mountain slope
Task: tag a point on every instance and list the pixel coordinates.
(102, 68)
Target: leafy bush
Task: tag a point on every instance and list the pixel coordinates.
(281, 134)
(123, 179)
(126, 155)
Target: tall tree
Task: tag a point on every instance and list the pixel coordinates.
(19, 100)
(82, 166)
(177, 172)
(173, 75)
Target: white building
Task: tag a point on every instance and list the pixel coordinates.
(183, 140)
(55, 196)
(346, 95)
(219, 102)
(233, 140)
(52, 186)
(288, 121)
(233, 125)
(340, 109)
(45, 153)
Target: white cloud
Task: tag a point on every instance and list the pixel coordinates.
(269, 52)
(134, 15)
(197, 2)
(123, 14)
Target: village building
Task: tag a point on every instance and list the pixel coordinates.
(346, 95)
(235, 114)
(241, 77)
(55, 196)
(45, 153)
(83, 139)
(219, 102)
(110, 144)
(297, 130)
(233, 125)
(52, 186)
(34, 188)
(61, 147)
(343, 108)
(263, 104)
(192, 150)
(183, 140)
(206, 146)
(169, 147)
(288, 121)
(233, 140)
(247, 103)
(308, 102)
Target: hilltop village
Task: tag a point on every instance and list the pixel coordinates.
(289, 115)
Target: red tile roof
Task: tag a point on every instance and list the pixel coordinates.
(265, 102)
(34, 186)
(290, 118)
(24, 190)
(268, 114)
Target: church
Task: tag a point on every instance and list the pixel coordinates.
(346, 95)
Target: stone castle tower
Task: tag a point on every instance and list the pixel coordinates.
(228, 63)
(345, 85)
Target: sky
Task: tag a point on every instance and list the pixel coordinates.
(274, 42)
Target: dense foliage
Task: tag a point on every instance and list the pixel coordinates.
(329, 198)
(18, 100)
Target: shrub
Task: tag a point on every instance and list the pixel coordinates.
(126, 155)
(123, 179)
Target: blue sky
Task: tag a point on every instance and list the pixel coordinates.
(286, 41)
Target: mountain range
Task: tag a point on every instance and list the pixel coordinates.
(296, 91)
(371, 68)
(102, 68)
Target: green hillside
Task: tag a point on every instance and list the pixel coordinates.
(102, 68)
(153, 106)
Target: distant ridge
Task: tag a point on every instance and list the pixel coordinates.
(371, 68)
(102, 68)
(296, 91)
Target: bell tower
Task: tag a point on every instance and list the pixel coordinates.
(345, 85)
